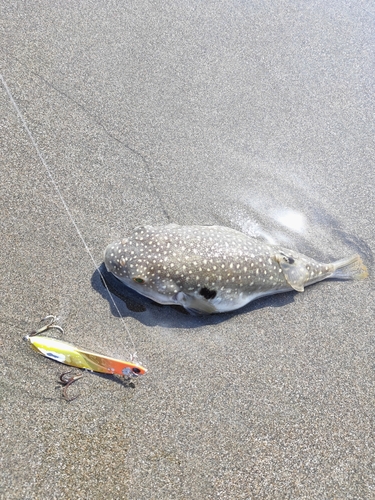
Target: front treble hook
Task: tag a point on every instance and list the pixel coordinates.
(49, 326)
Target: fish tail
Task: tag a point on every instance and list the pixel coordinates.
(351, 268)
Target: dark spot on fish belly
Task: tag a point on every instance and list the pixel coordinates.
(207, 294)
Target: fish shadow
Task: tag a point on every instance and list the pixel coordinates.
(125, 302)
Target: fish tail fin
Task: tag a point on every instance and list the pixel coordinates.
(351, 268)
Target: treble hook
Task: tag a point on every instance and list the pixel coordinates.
(49, 326)
(66, 382)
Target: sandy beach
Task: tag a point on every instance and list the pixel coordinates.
(252, 115)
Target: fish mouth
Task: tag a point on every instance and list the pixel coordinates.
(111, 260)
(107, 257)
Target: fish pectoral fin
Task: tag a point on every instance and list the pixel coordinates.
(195, 305)
(295, 273)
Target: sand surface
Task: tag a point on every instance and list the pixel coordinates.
(253, 115)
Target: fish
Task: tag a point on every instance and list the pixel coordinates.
(215, 269)
(71, 355)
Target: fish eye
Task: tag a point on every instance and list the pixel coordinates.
(287, 259)
(136, 370)
(139, 280)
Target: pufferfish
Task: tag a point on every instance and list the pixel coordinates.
(214, 269)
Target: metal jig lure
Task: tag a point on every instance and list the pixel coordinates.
(71, 355)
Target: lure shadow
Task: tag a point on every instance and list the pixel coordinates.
(124, 382)
(126, 302)
(128, 383)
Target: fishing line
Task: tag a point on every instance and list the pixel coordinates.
(34, 143)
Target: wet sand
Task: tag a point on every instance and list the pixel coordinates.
(253, 116)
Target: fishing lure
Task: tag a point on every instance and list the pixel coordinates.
(71, 355)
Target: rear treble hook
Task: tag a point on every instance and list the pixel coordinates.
(66, 382)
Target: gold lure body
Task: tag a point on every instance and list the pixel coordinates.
(71, 355)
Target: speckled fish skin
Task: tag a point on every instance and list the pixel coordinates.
(214, 269)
